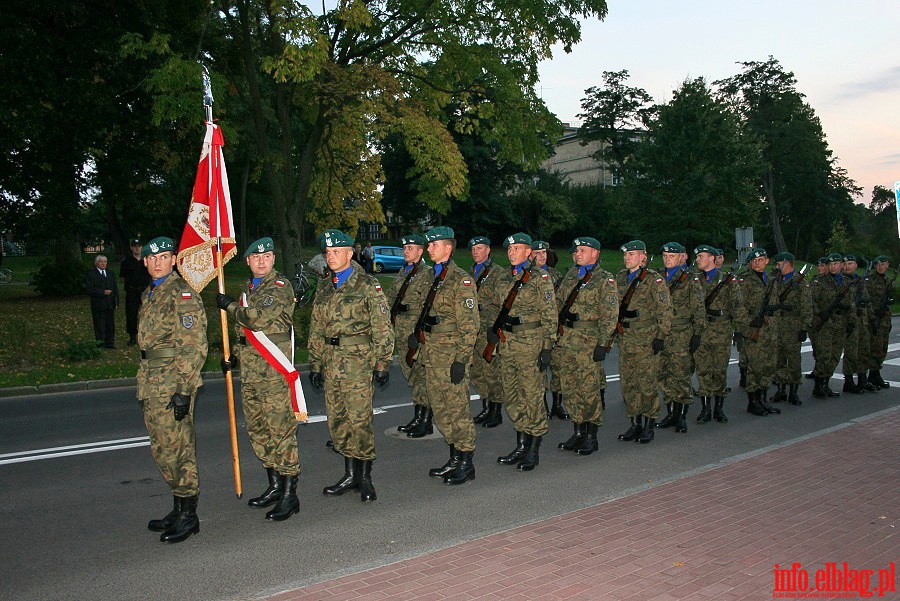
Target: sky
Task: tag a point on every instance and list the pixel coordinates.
(845, 56)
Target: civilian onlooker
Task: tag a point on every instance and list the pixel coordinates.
(101, 286)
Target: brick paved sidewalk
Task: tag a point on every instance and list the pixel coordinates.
(715, 535)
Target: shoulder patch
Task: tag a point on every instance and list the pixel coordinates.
(545, 275)
(279, 283)
(378, 287)
(268, 300)
(186, 295)
(470, 303)
(659, 280)
(187, 321)
(612, 280)
(467, 282)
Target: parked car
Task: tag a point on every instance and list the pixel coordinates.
(388, 258)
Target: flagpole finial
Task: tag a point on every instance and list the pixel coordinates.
(207, 92)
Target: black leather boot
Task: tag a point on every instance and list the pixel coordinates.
(719, 410)
(418, 415)
(764, 401)
(464, 470)
(424, 427)
(447, 467)
(743, 380)
(494, 417)
(864, 383)
(288, 504)
(826, 382)
(681, 410)
(876, 379)
(168, 521)
(634, 431)
(669, 420)
(647, 432)
(186, 524)
(589, 443)
(272, 493)
(558, 410)
(478, 419)
(517, 453)
(793, 397)
(780, 395)
(532, 455)
(350, 481)
(850, 386)
(705, 414)
(819, 388)
(366, 488)
(575, 440)
(753, 405)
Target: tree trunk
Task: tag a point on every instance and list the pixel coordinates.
(769, 186)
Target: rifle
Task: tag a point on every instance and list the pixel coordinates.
(825, 314)
(714, 293)
(419, 331)
(481, 276)
(764, 307)
(565, 314)
(503, 316)
(397, 307)
(798, 277)
(858, 300)
(624, 313)
(679, 278)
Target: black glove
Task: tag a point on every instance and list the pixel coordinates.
(492, 336)
(316, 379)
(180, 406)
(757, 322)
(381, 378)
(599, 353)
(228, 364)
(457, 372)
(695, 343)
(802, 336)
(223, 300)
(544, 359)
(657, 345)
(412, 342)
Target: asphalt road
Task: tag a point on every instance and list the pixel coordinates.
(78, 485)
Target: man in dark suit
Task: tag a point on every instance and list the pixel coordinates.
(101, 287)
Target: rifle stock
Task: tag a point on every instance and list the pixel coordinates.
(497, 327)
(764, 308)
(623, 307)
(395, 308)
(419, 331)
(564, 314)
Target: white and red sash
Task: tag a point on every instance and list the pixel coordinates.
(277, 359)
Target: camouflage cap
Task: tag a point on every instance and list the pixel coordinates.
(673, 247)
(585, 241)
(634, 245)
(706, 248)
(417, 239)
(158, 245)
(880, 259)
(441, 232)
(834, 258)
(540, 245)
(757, 253)
(783, 256)
(517, 238)
(479, 240)
(334, 239)
(263, 245)
(849, 257)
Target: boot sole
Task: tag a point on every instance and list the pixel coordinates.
(281, 518)
(193, 531)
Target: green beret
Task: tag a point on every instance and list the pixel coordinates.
(822, 261)
(479, 240)
(706, 248)
(720, 252)
(418, 239)
(263, 245)
(849, 257)
(158, 245)
(334, 239)
(585, 241)
(880, 259)
(634, 245)
(783, 256)
(756, 253)
(672, 247)
(540, 245)
(834, 258)
(517, 238)
(441, 232)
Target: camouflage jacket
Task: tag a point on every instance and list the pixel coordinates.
(795, 304)
(172, 335)
(534, 304)
(555, 275)
(270, 310)
(652, 304)
(824, 290)
(861, 302)
(689, 312)
(753, 291)
(357, 308)
(877, 288)
(726, 307)
(595, 310)
(452, 322)
(412, 301)
(486, 308)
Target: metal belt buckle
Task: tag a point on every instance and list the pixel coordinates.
(334, 341)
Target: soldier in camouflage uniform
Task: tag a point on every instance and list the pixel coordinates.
(794, 322)
(525, 353)
(761, 353)
(688, 322)
(858, 341)
(267, 309)
(880, 290)
(350, 347)
(722, 307)
(585, 327)
(172, 338)
(539, 250)
(416, 276)
(830, 329)
(451, 326)
(646, 322)
(485, 376)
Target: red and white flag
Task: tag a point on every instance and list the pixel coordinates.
(209, 216)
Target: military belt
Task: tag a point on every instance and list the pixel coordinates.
(440, 328)
(639, 323)
(681, 321)
(280, 337)
(346, 340)
(580, 325)
(522, 327)
(158, 353)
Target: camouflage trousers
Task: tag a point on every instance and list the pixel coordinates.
(579, 379)
(787, 362)
(761, 357)
(675, 367)
(348, 402)
(639, 369)
(879, 342)
(450, 404)
(523, 383)
(828, 345)
(173, 446)
(485, 377)
(415, 377)
(271, 424)
(711, 359)
(856, 347)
